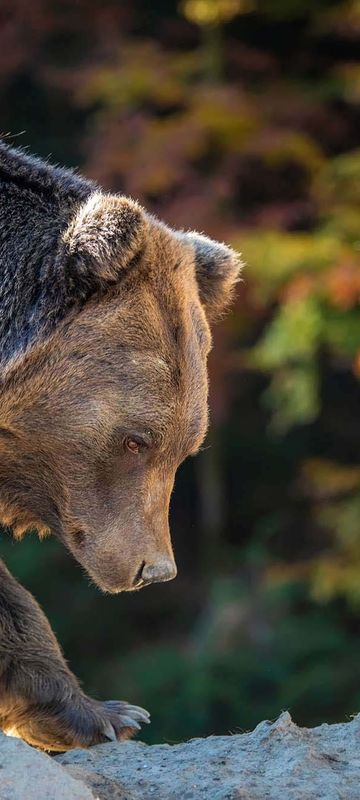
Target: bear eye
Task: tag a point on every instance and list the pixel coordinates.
(134, 444)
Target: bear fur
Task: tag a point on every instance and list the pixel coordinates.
(104, 336)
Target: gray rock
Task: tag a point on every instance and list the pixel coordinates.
(276, 760)
(27, 774)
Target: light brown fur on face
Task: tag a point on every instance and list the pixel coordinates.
(132, 363)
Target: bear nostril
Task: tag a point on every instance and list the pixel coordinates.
(138, 580)
(164, 570)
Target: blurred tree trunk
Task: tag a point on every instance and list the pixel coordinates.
(212, 500)
(213, 53)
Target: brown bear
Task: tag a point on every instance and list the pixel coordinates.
(104, 336)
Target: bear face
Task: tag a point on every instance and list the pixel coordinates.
(97, 415)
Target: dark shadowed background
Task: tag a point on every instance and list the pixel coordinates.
(240, 118)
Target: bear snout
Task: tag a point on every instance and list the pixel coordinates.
(113, 575)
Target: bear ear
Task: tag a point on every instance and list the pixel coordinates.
(218, 269)
(105, 234)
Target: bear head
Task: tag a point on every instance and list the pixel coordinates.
(96, 417)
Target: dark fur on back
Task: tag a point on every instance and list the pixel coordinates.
(36, 203)
(61, 239)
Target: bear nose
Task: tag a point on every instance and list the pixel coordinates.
(162, 570)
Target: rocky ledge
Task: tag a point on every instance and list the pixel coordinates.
(276, 760)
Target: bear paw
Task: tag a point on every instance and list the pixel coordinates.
(77, 722)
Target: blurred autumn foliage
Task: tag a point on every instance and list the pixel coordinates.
(240, 118)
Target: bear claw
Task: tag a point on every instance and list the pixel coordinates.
(109, 732)
(128, 712)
